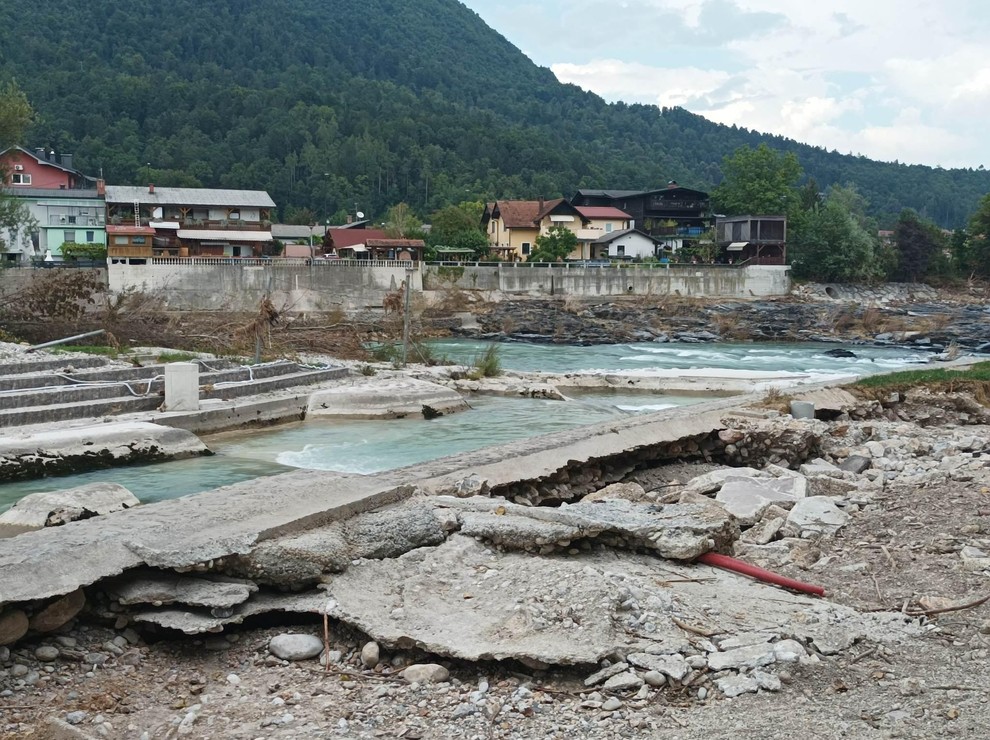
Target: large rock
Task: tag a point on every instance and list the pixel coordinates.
(53, 508)
(13, 626)
(714, 480)
(59, 612)
(748, 498)
(295, 647)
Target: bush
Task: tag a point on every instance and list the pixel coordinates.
(488, 364)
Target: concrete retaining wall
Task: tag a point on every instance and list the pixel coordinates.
(686, 280)
(294, 286)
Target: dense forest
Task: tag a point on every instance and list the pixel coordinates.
(336, 106)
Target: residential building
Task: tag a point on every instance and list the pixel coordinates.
(757, 240)
(675, 215)
(624, 244)
(189, 222)
(513, 226)
(64, 204)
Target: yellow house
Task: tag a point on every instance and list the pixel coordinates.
(513, 226)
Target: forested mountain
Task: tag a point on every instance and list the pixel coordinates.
(351, 105)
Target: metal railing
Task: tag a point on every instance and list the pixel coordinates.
(276, 261)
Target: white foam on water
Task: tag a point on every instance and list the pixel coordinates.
(646, 407)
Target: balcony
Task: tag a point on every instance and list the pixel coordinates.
(77, 221)
(129, 251)
(660, 205)
(194, 223)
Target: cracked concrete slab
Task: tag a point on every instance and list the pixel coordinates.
(393, 398)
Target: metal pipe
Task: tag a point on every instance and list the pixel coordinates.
(63, 341)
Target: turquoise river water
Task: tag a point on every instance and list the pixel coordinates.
(367, 446)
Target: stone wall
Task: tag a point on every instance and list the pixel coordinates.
(294, 286)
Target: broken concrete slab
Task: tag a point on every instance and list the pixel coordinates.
(391, 398)
(53, 508)
(818, 466)
(677, 531)
(817, 514)
(192, 622)
(856, 464)
(146, 586)
(468, 601)
(714, 480)
(35, 454)
(629, 491)
(748, 498)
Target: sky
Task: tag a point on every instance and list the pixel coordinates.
(904, 80)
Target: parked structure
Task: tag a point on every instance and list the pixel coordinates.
(757, 240)
(189, 222)
(65, 206)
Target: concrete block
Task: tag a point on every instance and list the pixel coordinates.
(182, 386)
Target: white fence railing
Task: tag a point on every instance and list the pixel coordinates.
(277, 262)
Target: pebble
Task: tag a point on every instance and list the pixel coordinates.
(18, 670)
(425, 673)
(370, 654)
(611, 704)
(46, 653)
(96, 658)
(233, 679)
(74, 718)
(295, 647)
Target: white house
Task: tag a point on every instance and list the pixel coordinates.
(625, 244)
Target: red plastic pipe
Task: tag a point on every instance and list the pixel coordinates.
(724, 561)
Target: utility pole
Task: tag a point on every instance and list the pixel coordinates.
(405, 316)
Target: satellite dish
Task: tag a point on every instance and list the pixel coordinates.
(359, 214)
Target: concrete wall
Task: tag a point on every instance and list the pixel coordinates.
(685, 280)
(240, 286)
(464, 277)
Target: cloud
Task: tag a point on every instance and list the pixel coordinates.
(839, 74)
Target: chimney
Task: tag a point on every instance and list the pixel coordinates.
(672, 184)
(39, 152)
(541, 204)
(151, 188)
(51, 155)
(101, 187)
(66, 160)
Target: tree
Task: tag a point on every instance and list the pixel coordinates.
(974, 252)
(15, 116)
(401, 223)
(555, 245)
(758, 182)
(832, 246)
(917, 242)
(458, 227)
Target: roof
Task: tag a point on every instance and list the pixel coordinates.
(395, 243)
(453, 250)
(224, 235)
(609, 238)
(292, 231)
(40, 193)
(610, 193)
(188, 196)
(590, 212)
(524, 214)
(729, 219)
(343, 238)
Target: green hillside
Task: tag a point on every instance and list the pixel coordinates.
(360, 104)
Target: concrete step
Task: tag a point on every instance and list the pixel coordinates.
(54, 413)
(46, 365)
(265, 385)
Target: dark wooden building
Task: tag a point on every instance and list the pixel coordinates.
(758, 240)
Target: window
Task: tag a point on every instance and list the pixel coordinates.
(620, 251)
(90, 237)
(70, 236)
(72, 219)
(121, 240)
(138, 240)
(608, 228)
(19, 178)
(526, 247)
(234, 215)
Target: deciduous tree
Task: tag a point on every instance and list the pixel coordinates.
(555, 245)
(758, 182)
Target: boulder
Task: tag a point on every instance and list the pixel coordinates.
(295, 647)
(59, 612)
(13, 626)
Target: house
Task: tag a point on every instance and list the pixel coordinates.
(624, 244)
(757, 240)
(674, 214)
(513, 226)
(190, 222)
(64, 205)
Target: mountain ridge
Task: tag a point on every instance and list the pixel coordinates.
(344, 105)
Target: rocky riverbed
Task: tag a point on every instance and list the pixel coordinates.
(933, 324)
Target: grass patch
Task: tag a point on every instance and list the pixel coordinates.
(980, 372)
(488, 364)
(90, 349)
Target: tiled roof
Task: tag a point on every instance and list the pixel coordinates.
(189, 197)
(603, 212)
(524, 214)
(350, 237)
(608, 238)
